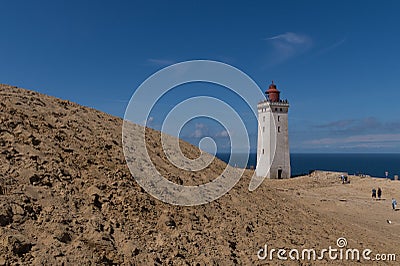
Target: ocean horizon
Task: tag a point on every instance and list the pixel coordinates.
(373, 164)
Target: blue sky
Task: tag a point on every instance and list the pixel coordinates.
(337, 62)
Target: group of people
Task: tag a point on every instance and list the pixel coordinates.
(374, 193)
(379, 193)
(345, 179)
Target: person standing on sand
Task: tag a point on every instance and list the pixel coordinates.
(379, 193)
(394, 203)
(373, 193)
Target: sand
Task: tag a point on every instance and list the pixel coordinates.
(67, 197)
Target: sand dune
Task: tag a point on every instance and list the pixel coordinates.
(67, 197)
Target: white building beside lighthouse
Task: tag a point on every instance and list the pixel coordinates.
(273, 157)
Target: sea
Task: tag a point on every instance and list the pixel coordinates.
(373, 164)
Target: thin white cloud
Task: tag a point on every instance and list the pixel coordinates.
(366, 125)
(291, 37)
(367, 146)
(222, 134)
(357, 140)
(331, 47)
(288, 45)
(201, 130)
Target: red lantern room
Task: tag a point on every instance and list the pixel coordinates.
(273, 93)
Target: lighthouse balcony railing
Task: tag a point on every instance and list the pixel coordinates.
(280, 102)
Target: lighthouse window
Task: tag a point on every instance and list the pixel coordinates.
(263, 151)
(280, 109)
(276, 109)
(263, 118)
(263, 129)
(279, 129)
(278, 118)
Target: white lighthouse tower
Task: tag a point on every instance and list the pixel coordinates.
(273, 157)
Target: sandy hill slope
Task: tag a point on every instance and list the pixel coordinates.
(67, 197)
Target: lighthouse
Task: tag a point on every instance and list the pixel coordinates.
(273, 157)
